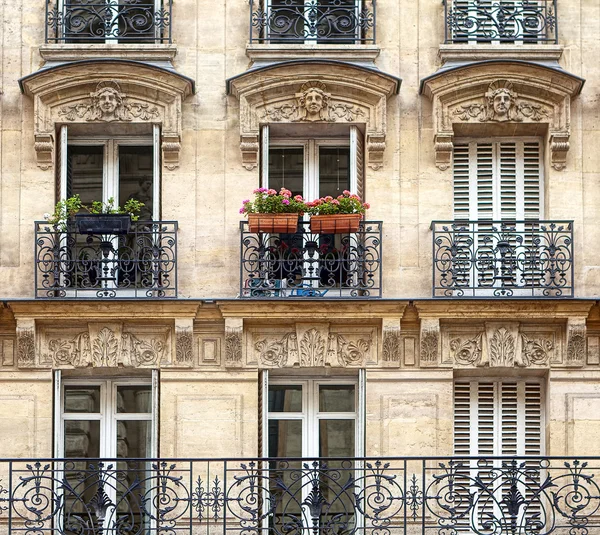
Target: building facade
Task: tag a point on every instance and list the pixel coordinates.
(435, 370)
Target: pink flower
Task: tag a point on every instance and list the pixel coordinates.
(340, 197)
(354, 196)
(366, 205)
(329, 198)
(298, 198)
(242, 210)
(246, 201)
(285, 192)
(286, 201)
(346, 192)
(336, 202)
(271, 192)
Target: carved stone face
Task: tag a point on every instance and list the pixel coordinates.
(314, 101)
(108, 100)
(502, 103)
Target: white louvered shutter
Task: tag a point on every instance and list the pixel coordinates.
(497, 418)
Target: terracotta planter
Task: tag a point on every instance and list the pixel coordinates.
(335, 223)
(284, 223)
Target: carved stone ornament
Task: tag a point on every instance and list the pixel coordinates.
(535, 351)
(312, 92)
(576, 346)
(105, 347)
(312, 348)
(276, 352)
(391, 345)
(502, 348)
(429, 346)
(348, 352)
(26, 347)
(501, 92)
(467, 351)
(107, 92)
(233, 347)
(184, 352)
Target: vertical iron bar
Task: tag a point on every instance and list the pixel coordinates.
(424, 463)
(554, 2)
(251, 15)
(405, 493)
(374, 7)
(10, 495)
(225, 497)
(445, 2)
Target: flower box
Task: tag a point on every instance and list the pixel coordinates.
(335, 223)
(282, 223)
(103, 223)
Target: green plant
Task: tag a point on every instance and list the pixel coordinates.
(347, 203)
(67, 208)
(269, 201)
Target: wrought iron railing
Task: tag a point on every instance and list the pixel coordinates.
(305, 264)
(109, 21)
(312, 21)
(139, 264)
(502, 258)
(500, 21)
(437, 496)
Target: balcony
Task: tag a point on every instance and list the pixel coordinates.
(491, 495)
(139, 264)
(311, 265)
(312, 22)
(110, 22)
(495, 22)
(502, 258)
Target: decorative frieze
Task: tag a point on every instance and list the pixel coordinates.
(467, 351)
(275, 353)
(26, 340)
(234, 328)
(430, 342)
(535, 350)
(184, 342)
(576, 342)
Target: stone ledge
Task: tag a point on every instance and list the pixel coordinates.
(272, 53)
(75, 52)
(480, 52)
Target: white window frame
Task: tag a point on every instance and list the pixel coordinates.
(310, 415)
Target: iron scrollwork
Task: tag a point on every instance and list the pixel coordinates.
(324, 21)
(503, 259)
(141, 263)
(529, 21)
(311, 265)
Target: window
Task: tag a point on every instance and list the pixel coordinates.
(498, 187)
(304, 418)
(498, 417)
(108, 419)
(497, 179)
(315, 21)
(112, 21)
(119, 167)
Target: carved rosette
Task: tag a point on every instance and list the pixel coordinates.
(348, 352)
(536, 351)
(275, 353)
(467, 351)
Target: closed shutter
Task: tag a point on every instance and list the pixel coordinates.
(496, 418)
(497, 180)
(63, 165)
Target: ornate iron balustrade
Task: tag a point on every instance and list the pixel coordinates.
(502, 258)
(313, 21)
(499, 21)
(311, 265)
(110, 21)
(437, 496)
(140, 264)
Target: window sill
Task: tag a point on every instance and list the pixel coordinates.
(273, 53)
(478, 52)
(141, 52)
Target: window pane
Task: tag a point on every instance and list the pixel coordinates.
(133, 438)
(336, 398)
(336, 438)
(285, 398)
(135, 177)
(285, 438)
(82, 438)
(286, 169)
(334, 170)
(82, 399)
(134, 399)
(84, 172)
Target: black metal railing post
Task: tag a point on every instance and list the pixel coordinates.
(487, 259)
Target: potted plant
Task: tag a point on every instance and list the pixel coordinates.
(341, 215)
(100, 218)
(273, 211)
